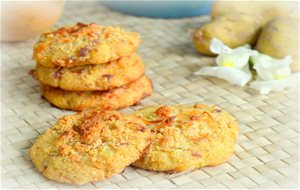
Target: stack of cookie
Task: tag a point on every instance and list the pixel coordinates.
(87, 65)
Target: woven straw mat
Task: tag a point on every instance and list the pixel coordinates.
(266, 153)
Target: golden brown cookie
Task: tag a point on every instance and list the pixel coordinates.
(83, 44)
(89, 146)
(93, 77)
(118, 98)
(187, 137)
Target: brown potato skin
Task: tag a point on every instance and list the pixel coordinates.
(280, 38)
(239, 22)
(268, 10)
(233, 30)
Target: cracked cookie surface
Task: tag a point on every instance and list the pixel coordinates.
(187, 137)
(92, 77)
(84, 44)
(89, 146)
(118, 98)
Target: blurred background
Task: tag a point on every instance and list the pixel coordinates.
(23, 19)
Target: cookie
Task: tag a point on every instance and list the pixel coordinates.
(89, 146)
(93, 77)
(187, 137)
(83, 44)
(118, 98)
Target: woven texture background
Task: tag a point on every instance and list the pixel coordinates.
(267, 148)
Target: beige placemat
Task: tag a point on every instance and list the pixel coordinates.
(267, 150)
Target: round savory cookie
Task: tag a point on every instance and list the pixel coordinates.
(83, 44)
(93, 77)
(187, 137)
(89, 146)
(118, 98)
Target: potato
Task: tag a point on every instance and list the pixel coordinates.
(267, 9)
(233, 30)
(280, 38)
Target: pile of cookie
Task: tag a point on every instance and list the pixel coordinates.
(87, 65)
(96, 144)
